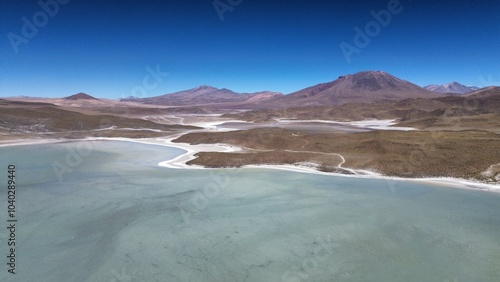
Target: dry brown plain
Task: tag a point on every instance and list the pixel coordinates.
(463, 154)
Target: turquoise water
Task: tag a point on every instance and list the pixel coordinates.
(107, 212)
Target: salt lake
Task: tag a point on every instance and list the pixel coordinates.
(105, 211)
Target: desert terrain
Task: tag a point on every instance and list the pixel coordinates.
(398, 129)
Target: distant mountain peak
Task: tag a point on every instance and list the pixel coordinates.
(80, 96)
(205, 87)
(372, 80)
(452, 87)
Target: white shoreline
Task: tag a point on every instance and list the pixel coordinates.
(180, 161)
(23, 142)
(437, 181)
(375, 124)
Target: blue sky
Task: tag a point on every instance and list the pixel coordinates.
(104, 48)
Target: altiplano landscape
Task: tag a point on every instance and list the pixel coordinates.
(369, 121)
(401, 135)
(233, 140)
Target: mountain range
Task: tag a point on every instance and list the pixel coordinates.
(206, 95)
(363, 87)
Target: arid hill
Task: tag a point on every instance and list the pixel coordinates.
(80, 96)
(465, 154)
(28, 120)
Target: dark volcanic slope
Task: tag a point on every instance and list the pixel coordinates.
(80, 96)
(365, 87)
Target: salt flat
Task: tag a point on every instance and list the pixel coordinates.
(386, 124)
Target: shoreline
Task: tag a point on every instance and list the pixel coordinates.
(24, 142)
(180, 161)
(459, 183)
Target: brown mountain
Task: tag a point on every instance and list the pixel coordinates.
(364, 87)
(206, 95)
(491, 91)
(80, 96)
(475, 111)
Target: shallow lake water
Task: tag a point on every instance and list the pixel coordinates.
(104, 211)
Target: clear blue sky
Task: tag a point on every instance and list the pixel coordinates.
(104, 47)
